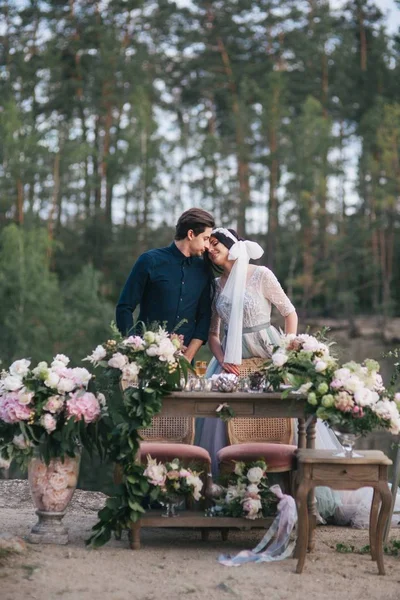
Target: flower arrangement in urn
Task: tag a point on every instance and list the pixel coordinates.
(46, 415)
(246, 493)
(351, 398)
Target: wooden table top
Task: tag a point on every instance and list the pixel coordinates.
(369, 457)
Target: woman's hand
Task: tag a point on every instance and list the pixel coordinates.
(230, 368)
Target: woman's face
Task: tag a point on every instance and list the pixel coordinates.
(218, 252)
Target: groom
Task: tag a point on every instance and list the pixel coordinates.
(173, 283)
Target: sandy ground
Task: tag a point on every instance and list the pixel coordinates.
(176, 564)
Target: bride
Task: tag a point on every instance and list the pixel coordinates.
(242, 301)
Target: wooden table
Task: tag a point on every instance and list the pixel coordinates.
(323, 468)
(204, 404)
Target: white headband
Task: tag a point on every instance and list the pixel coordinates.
(225, 232)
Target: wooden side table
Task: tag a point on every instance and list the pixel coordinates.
(323, 468)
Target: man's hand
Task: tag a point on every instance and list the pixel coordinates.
(230, 368)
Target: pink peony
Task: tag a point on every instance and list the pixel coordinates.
(83, 406)
(11, 411)
(54, 404)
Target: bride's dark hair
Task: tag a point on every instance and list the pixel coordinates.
(225, 240)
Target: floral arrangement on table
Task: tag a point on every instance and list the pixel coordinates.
(350, 397)
(47, 411)
(171, 479)
(246, 493)
(139, 372)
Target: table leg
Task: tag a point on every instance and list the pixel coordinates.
(302, 525)
(395, 488)
(373, 520)
(301, 433)
(386, 498)
(134, 536)
(312, 503)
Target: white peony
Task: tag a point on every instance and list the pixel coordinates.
(12, 383)
(166, 350)
(97, 355)
(118, 361)
(60, 360)
(20, 367)
(320, 366)
(152, 351)
(65, 385)
(365, 397)
(279, 358)
(130, 373)
(342, 374)
(311, 345)
(156, 474)
(255, 474)
(81, 376)
(353, 384)
(52, 380)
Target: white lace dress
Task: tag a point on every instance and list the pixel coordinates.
(262, 291)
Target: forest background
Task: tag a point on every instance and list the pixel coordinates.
(281, 117)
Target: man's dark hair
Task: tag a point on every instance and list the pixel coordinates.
(196, 219)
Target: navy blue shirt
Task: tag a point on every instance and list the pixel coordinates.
(169, 287)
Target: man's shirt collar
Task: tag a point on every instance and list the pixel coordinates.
(185, 260)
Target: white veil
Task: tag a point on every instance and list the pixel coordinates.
(241, 252)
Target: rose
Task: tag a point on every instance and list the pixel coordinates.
(252, 489)
(344, 402)
(118, 361)
(173, 475)
(12, 383)
(279, 358)
(20, 367)
(48, 422)
(255, 474)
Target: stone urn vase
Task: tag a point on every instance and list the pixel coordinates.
(52, 487)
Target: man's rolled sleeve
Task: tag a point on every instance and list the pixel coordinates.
(203, 316)
(132, 293)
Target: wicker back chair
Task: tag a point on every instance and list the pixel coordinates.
(241, 431)
(178, 430)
